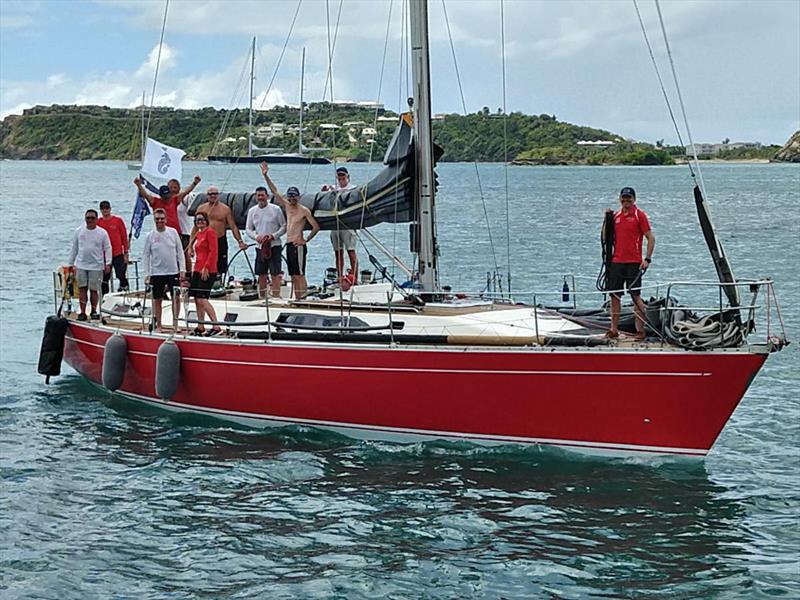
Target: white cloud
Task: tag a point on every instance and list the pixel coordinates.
(165, 59)
(583, 61)
(56, 80)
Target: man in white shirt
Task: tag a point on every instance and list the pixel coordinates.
(164, 265)
(90, 257)
(342, 238)
(266, 224)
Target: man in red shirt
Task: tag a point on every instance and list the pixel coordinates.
(627, 266)
(118, 234)
(169, 196)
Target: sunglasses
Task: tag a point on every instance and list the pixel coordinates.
(213, 193)
(91, 218)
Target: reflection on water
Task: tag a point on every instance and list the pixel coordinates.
(302, 512)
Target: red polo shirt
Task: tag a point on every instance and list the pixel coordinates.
(628, 233)
(115, 228)
(170, 206)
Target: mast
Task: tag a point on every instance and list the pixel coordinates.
(250, 110)
(420, 61)
(302, 81)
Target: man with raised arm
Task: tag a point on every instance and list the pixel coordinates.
(297, 216)
(164, 265)
(266, 224)
(220, 219)
(169, 197)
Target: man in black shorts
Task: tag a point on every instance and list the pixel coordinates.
(631, 225)
(266, 224)
(164, 265)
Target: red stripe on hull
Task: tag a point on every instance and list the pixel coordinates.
(659, 400)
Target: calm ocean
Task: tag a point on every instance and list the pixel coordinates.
(102, 498)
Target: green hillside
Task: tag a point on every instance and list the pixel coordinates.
(103, 133)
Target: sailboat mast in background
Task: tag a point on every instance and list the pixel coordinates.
(250, 107)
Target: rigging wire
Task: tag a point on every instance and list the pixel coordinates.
(237, 93)
(401, 109)
(283, 51)
(475, 162)
(680, 96)
(158, 63)
(660, 80)
(505, 141)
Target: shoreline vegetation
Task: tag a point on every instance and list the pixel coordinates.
(342, 133)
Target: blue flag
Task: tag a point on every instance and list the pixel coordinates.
(141, 210)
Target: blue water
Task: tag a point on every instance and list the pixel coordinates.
(102, 498)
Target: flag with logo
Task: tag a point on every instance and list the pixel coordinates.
(162, 161)
(141, 209)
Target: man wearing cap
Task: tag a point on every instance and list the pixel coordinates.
(90, 257)
(118, 234)
(169, 197)
(220, 219)
(266, 224)
(297, 216)
(164, 265)
(343, 238)
(627, 267)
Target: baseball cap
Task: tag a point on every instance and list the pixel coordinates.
(105, 204)
(627, 191)
(163, 191)
(292, 191)
(342, 170)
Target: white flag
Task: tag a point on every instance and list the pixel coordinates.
(162, 161)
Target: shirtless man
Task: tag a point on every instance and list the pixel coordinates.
(297, 216)
(220, 219)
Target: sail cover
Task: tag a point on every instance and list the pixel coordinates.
(387, 198)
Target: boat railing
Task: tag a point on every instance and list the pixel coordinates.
(766, 313)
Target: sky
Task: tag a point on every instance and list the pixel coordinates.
(584, 61)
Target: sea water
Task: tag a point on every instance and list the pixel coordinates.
(100, 497)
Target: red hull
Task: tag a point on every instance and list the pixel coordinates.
(615, 401)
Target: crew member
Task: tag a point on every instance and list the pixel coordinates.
(220, 219)
(164, 265)
(266, 224)
(627, 266)
(297, 216)
(169, 197)
(118, 234)
(343, 238)
(90, 257)
(205, 267)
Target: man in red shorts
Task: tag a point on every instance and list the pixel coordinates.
(627, 267)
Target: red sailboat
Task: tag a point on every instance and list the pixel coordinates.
(387, 362)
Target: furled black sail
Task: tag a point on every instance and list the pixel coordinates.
(721, 264)
(387, 198)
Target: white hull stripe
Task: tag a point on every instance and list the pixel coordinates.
(408, 370)
(430, 433)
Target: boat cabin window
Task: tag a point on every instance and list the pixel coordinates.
(320, 321)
